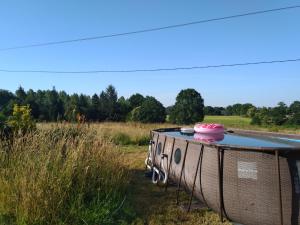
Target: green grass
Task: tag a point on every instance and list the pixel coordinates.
(230, 121)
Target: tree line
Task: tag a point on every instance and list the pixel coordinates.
(281, 114)
(52, 106)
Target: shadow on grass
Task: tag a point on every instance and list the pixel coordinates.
(150, 204)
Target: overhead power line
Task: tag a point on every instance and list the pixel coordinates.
(153, 69)
(149, 30)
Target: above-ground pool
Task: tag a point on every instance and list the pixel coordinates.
(248, 177)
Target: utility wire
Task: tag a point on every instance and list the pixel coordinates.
(152, 70)
(149, 30)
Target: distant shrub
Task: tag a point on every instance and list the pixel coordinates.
(270, 116)
(273, 129)
(144, 140)
(21, 120)
(294, 119)
(256, 120)
(294, 107)
(278, 114)
(135, 114)
(121, 139)
(251, 112)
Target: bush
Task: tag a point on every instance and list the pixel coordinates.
(142, 140)
(270, 116)
(135, 114)
(294, 107)
(251, 112)
(294, 119)
(278, 114)
(188, 108)
(21, 120)
(256, 120)
(121, 139)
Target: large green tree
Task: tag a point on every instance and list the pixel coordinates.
(151, 111)
(188, 108)
(94, 111)
(294, 107)
(7, 100)
(123, 108)
(21, 95)
(294, 113)
(54, 105)
(31, 101)
(136, 100)
(108, 103)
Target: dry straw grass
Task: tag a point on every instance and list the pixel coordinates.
(120, 133)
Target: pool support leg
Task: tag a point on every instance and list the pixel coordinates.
(200, 178)
(220, 154)
(279, 187)
(182, 168)
(195, 176)
(169, 166)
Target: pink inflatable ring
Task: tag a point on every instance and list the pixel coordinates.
(209, 137)
(209, 128)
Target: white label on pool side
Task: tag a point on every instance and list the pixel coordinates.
(247, 170)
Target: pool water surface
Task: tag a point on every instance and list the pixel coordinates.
(240, 140)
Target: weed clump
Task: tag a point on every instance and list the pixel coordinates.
(120, 138)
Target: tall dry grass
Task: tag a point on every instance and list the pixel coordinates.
(119, 133)
(61, 175)
(126, 133)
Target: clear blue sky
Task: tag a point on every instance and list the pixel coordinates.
(254, 38)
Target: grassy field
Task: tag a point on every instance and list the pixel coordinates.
(93, 174)
(230, 121)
